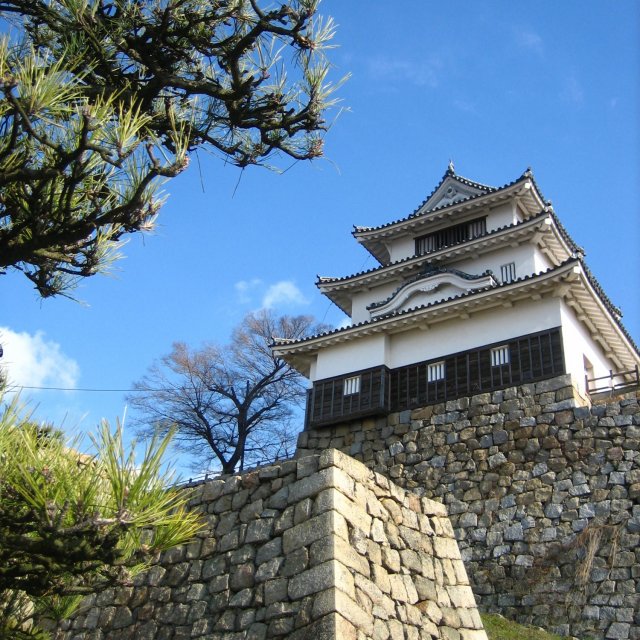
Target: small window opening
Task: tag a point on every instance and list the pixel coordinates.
(508, 272)
(589, 373)
(435, 371)
(351, 385)
(500, 356)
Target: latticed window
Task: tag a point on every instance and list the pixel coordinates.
(435, 371)
(351, 386)
(451, 235)
(508, 272)
(500, 356)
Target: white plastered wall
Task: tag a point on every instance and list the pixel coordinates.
(402, 248)
(502, 216)
(485, 327)
(442, 339)
(360, 300)
(527, 258)
(578, 343)
(370, 351)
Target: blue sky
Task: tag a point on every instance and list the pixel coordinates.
(496, 86)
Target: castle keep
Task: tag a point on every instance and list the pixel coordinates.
(479, 289)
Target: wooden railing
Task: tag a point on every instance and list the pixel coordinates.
(614, 381)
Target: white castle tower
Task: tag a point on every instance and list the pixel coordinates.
(480, 288)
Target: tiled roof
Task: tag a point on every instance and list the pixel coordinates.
(614, 311)
(450, 173)
(563, 232)
(528, 174)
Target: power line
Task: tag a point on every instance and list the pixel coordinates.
(90, 390)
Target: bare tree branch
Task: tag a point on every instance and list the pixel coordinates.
(231, 406)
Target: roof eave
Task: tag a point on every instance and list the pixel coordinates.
(369, 236)
(365, 279)
(571, 273)
(520, 286)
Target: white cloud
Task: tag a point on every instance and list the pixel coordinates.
(258, 293)
(32, 361)
(244, 288)
(284, 292)
(465, 106)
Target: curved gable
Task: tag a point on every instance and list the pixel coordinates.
(429, 286)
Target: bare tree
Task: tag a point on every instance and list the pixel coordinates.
(232, 406)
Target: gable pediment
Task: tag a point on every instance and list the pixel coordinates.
(450, 191)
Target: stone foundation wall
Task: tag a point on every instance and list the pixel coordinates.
(319, 547)
(543, 495)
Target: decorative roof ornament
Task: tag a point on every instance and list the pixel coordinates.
(430, 278)
(451, 168)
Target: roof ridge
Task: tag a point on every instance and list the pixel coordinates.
(450, 173)
(415, 214)
(528, 173)
(578, 258)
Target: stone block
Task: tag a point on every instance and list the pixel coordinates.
(332, 547)
(275, 591)
(618, 631)
(446, 548)
(336, 601)
(269, 569)
(302, 535)
(398, 589)
(329, 627)
(331, 499)
(306, 466)
(321, 578)
(259, 530)
(295, 563)
(473, 634)
(269, 550)
(461, 596)
(375, 594)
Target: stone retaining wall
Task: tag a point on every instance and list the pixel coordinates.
(543, 495)
(320, 547)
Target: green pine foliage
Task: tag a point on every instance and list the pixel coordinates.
(72, 524)
(102, 101)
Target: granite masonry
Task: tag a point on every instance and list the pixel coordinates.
(542, 490)
(318, 547)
